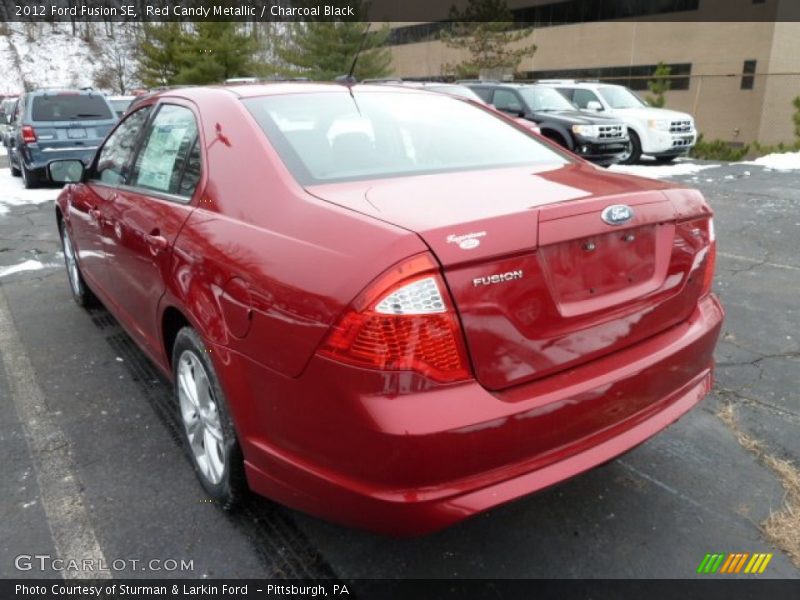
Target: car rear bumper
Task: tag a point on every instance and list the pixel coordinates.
(415, 462)
(40, 156)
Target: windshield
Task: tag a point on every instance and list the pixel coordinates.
(620, 97)
(329, 137)
(545, 98)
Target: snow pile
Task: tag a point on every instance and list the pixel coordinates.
(784, 161)
(13, 193)
(28, 265)
(656, 171)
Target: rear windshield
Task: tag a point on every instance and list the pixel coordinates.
(329, 137)
(64, 107)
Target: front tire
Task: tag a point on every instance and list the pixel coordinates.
(634, 152)
(81, 293)
(208, 431)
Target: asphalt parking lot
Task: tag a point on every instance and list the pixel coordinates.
(77, 379)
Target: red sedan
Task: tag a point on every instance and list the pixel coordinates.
(388, 307)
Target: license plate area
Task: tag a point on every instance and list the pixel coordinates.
(598, 265)
(76, 134)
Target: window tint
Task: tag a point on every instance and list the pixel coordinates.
(69, 107)
(327, 137)
(582, 97)
(507, 100)
(115, 155)
(160, 162)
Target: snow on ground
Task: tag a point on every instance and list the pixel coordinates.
(28, 265)
(784, 161)
(13, 193)
(655, 171)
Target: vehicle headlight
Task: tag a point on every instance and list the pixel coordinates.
(659, 124)
(588, 131)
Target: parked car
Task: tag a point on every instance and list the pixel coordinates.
(658, 132)
(7, 108)
(453, 89)
(601, 140)
(51, 124)
(386, 307)
(120, 104)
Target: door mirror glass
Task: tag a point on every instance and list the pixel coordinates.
(66, 171)
(594, 105)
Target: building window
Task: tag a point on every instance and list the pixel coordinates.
(563, 12)
(632, 76)
(748, 74)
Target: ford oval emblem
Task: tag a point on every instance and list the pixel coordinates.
(617, 214)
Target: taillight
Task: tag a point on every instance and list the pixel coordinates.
(28, 134)
(711, 259)
(404, 321)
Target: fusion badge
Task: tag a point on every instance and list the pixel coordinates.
(497, 278)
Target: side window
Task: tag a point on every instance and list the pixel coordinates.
(115, 155)
(583, 97)
(191, 171)
(568, 94)
(507, 100)
(484, 94)
(169, 143)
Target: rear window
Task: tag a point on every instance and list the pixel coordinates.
(64, 107)
(330, 137)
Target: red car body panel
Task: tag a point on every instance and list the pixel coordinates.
(582, 358)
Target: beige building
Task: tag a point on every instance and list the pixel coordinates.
(738, 78)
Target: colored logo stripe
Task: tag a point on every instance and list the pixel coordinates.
(734, 563)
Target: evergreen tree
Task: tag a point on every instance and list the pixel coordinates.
(161, 48)
(325, 50)
(659, 85)
(215, 52)
(485, 29)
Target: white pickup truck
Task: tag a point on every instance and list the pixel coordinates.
(658, 132)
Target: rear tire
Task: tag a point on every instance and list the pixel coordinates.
(634, 150)
(207, 428)
(81, 293)
(29, 177)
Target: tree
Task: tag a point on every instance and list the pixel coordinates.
(324, 50)
(796, 118)
(162, 49)
(485, 29)
(117, 66)
(659, 85)
(216, 51)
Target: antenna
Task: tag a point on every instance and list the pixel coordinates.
(349, 79)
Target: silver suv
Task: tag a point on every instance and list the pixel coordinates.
(658, 132)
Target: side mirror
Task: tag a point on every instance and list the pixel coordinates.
(594, 105)
(66, 171)
(9, 119)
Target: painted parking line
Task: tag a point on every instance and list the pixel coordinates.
(49, 449)
(757, 260)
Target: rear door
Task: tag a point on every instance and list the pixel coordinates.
(147, 214)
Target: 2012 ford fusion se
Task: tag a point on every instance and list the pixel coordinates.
(389, 307)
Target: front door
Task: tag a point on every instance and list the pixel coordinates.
(147, 215)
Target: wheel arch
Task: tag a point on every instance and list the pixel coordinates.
(557, 134)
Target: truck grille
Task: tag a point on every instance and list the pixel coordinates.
(611, 132)
(680, 126)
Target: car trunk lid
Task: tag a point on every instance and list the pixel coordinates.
(541, 283)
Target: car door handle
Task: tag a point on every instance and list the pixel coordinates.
(157, 242)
